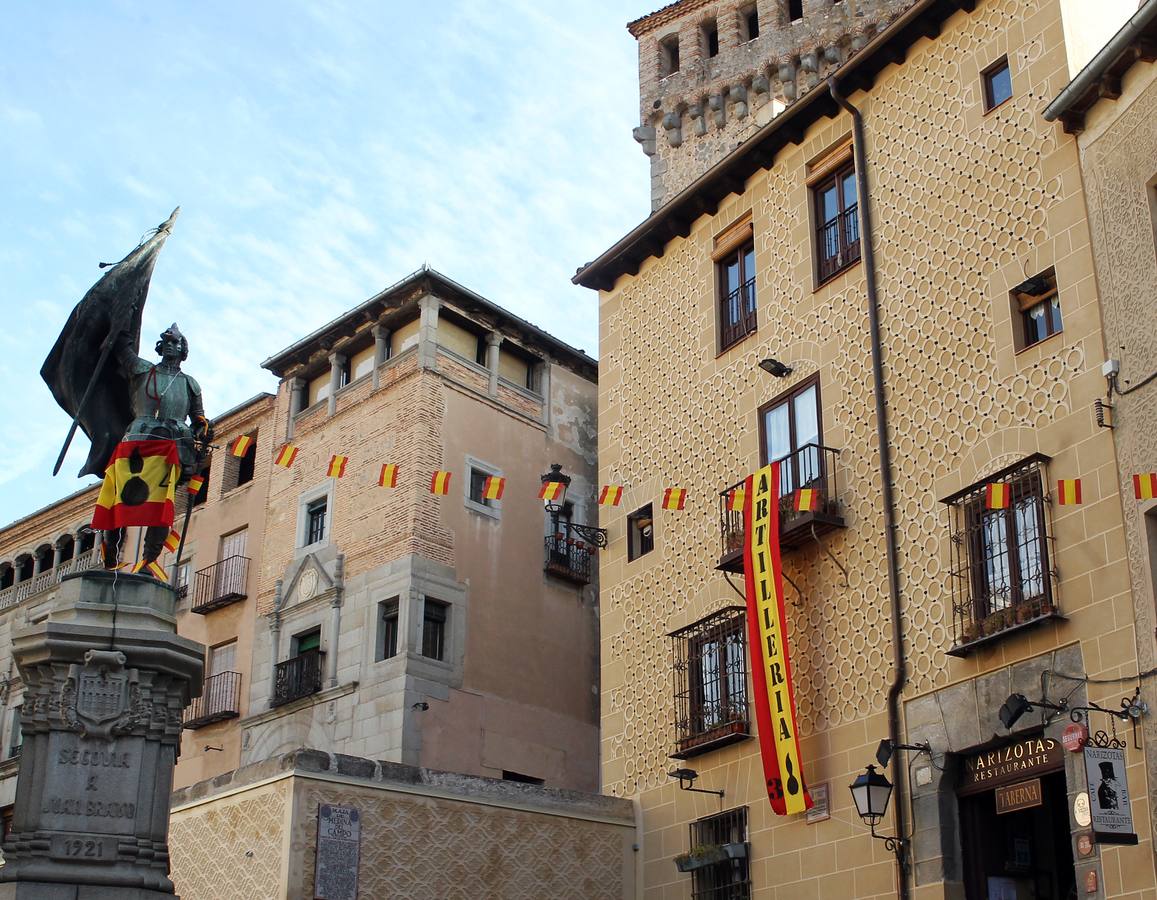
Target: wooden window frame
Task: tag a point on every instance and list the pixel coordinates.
(1040, 290)
(833, 174)
(787, 398)
(733, 247)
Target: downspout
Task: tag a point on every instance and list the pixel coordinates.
(899, 663)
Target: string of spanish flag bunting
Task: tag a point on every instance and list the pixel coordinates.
(997, 494)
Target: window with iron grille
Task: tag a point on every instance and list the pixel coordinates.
(1001, 575)
(387, 629)
(710, 681)
(837, 223)
(315, 520)
(730, 877)
(434, 615)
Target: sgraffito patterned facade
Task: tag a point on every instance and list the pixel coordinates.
(967, 204)
(424, 835)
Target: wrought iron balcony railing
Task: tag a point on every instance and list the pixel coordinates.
(297, 677)
(838, 243)
(811, 467)
(220, 700)
(568, 558)
(220, 584)
(737, 314)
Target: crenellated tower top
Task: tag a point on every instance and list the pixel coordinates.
(713, 71)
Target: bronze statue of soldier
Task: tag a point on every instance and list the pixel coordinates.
(127, 405)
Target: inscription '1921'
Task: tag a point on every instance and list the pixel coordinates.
(95, 808)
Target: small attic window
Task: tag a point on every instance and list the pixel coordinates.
(669, 55)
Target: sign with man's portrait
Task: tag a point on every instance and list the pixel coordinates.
(1109, 795)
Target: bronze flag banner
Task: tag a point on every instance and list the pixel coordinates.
(767, 637)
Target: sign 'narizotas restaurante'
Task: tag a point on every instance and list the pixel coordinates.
(1012, 762)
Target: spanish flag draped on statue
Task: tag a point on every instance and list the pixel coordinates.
(139, 485)
(767, 637)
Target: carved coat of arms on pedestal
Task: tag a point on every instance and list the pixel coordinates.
(102, 698)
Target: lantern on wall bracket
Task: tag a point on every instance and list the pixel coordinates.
(554, 487)
(871, 792)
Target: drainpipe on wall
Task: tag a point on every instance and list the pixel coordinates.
(899, 663)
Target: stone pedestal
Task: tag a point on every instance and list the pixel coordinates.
(107, 680)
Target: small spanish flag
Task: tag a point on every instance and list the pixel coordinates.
(388, 477)
(996, 495)
(139, 486)
(286, 456)
(337, 464)
(195, 484)
(440, 482)
(241, 445)
(611, 495)
(173, 541)
(551, 490)
(674, 498)
(806, 499)
(1069, 491)
(737, 500)
(493, 487)
(152, 568)
(1145, 486)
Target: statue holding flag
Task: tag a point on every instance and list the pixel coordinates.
(146, 420)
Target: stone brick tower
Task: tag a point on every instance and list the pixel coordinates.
(713, 71)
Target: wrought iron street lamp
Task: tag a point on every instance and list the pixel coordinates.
(871, 792)
(555, 502)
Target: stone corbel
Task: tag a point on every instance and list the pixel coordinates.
(698, 120)
(673, 125)
(787, 79)
(718, 109)
(761, 88)
(738, 95)
(645, 135)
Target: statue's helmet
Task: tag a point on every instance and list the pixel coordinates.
(173, 333)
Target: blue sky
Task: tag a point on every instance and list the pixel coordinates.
(320, 151)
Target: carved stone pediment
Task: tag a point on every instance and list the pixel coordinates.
(308, 581)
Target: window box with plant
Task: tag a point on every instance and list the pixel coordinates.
(709, 855)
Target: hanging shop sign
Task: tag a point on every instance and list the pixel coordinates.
(767, 636)
(1021, 795)
(1109, 795)
(1011, 763)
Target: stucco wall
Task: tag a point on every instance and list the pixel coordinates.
(1119, 165)
(966, 205)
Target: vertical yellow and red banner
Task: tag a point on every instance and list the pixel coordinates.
(767, 636)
